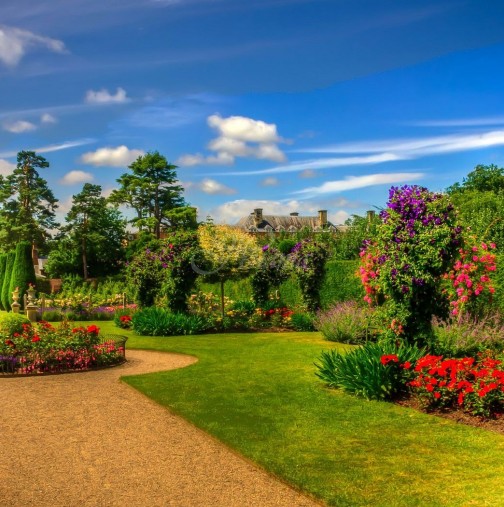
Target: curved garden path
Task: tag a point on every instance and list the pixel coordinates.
(88, 439)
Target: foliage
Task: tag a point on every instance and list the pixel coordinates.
(346, 322)
(286, 245)
(151, 190)
(123, 318)
(155, 321)
(3, 266)
(273, 270)
(63, 258)
(475, 385)
(484, 178)
(6, 294)
(364, 371)
(145, 277)
(42, 348)
(467, 335)
(11, 323)
(302, 322)
(27, 203)
(347, 244)
(23, 272)
(402, 267)
(308, 258)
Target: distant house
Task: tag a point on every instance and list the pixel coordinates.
(257, 222)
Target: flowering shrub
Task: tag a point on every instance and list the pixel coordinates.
(308, 258)
(346, 322)
(470, 278)
(42, 348)
(475, 385)
(273, 270)
(372, 371)
(415, 245)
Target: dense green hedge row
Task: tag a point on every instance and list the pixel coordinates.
(340, 284)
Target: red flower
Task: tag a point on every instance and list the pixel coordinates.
(36, 338)
(406, 365)
(10, 343)
(437, 395)
(391, 358)
(125, 318)
(93, 329)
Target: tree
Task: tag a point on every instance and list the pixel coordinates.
(27, 203)
(150, 190)
(23, 271)
(3, 263)
(95, 230)
(229, 254)
(6, 295)
(484, 178)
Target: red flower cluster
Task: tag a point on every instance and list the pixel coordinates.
(476, 385)
(125, 318)
(391, 358)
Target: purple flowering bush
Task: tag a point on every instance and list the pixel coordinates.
(402, 268)
(309, 258)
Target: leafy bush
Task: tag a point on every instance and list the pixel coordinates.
(364, 372)
(244, 306)
(11, 323)
(123, 318)
(155, 321)
(302, 322)
(286, 245)
(346, 322)
(467, 336)
(52, 316)
(273, 270)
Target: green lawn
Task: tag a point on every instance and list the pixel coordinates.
(258, 394)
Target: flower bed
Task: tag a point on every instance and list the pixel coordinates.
(42, 349)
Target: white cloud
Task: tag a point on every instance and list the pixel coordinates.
(308, 173)
(48, 118)
(238, 136)
(112, 157)
(269, 182)
(209, 186)
(232, 211)
(6, 167)
(52, 147)
(15, 43)
(354, 182)
(73, 177)
(19, 127)
(103, 96)
(244, 129)
(461, 122)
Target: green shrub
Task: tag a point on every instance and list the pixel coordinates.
(247, 307)
(346, 322)
(3, 263)
(11, 323)
(6, 294)
(361, 371)
(23, 272)
(286, 245)
(155, 321)
(52, 316)
(302, 322)
(123, 318)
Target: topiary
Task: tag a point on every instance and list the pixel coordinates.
(23, 271)
(3, 263)
(6, 294)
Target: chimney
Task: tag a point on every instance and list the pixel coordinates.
(258, 216)
(294, 214)
(370, 215)
(322, 216)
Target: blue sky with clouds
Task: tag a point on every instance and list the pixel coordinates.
(288, 105)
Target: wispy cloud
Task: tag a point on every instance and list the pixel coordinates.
(354, 182)
(322, 163)
(461, 122)
(52, 147)
(417, 147)
(19, 127)
(15, 42)
(210, 186)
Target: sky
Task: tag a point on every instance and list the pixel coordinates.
(286, 105)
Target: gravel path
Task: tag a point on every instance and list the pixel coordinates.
(88, 439)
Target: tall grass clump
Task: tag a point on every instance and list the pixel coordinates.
(155, 321)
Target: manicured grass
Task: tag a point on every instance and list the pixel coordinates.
(258, 394)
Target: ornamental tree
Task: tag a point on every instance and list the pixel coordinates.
(402, 268)
(228, 253)
(23, 271)
(273, 270)
(309, 258)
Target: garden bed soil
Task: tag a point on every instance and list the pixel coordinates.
(496, 425)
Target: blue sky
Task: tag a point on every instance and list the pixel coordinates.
(288, 105)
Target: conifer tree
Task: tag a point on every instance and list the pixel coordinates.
(6, 295)
(23, 271)
(3, 262)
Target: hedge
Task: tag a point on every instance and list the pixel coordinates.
(340, 284)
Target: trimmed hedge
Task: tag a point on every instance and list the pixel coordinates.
(340, 284)
(23, 271)
(3, 264)
(6, 295)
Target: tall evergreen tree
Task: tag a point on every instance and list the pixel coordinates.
(23, 271)
(27, 203)
(151, 190)
(6, 295)
(3, 262)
